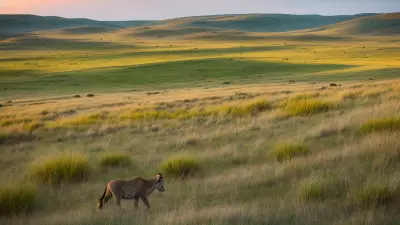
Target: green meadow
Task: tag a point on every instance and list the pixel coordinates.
(273, 125)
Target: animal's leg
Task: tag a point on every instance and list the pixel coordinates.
(107, 197)
(118, 200)
(136, 202)
(144, 200)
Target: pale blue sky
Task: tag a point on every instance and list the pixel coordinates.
(164, 9)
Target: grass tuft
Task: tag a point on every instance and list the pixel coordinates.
(305, 96)
(349, 95)
(385, 124)
(247, 109)
(318, 189)
(180, 167)
(305, 107)
(15, 199)
(374, 195)
(257, 106)
(115, 160)
(77, 121)
(60, 169)
(32, 126)
(3, 138)
(287, 151)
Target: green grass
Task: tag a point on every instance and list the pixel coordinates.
(174, 73)
(16, 199)
(180, 167)
(60, 169)
(384, 124)
(113, 160)
(287, 151)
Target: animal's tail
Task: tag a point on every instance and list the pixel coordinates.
(100, 203)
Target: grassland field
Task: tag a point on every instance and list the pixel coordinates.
(267, 137)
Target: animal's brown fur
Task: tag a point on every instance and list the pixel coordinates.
(137, 188)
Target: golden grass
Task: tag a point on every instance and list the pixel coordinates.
(318, 188)
(349, 94)
(3, 137)
(112, 160)
(76, 121)
(246, 109)
(305, 107)
(383, 124)
(239, 183)
(33, 126)
(287, 151)
(374, 195)
(180, 166)
(60, 169)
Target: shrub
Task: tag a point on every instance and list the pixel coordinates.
(286, 151)
(180, 167)
(16, 199)
(60, 169)
(305, 107)
(388, 124)
(374, 195)
(115, 160)
(318, 189)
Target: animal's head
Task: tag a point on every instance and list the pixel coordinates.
(160, 182)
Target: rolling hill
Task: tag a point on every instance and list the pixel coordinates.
(19, 24)
(382, 24)
(260, 22)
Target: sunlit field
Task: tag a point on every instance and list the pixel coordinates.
(282, 128)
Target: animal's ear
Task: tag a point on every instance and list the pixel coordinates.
(159, 177)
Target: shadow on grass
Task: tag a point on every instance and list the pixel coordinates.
(166, 74)
(31, 42)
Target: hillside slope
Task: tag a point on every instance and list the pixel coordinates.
(260, 22)
(18, 24)
(383, 24)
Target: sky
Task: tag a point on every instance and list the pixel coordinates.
(165, 9)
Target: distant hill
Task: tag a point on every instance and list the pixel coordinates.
(382, 24)
(80, 30)
(11, 25)
(260, 22)
(19, 24)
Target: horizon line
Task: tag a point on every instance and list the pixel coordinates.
(205, 15)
